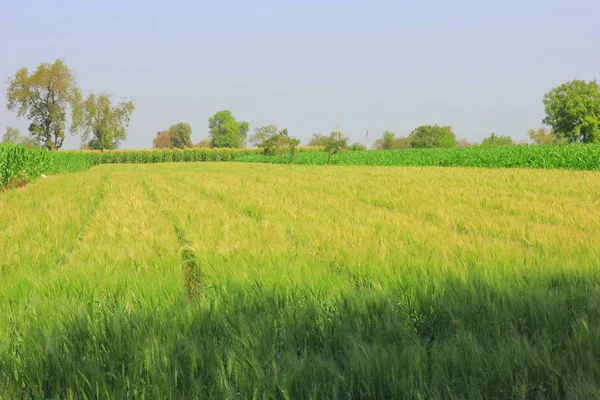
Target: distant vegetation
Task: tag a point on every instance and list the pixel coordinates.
(49, 95)
(280, 149)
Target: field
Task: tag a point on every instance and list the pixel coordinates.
(237, 280)
(19, 165)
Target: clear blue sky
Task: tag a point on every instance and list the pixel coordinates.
(478, 66)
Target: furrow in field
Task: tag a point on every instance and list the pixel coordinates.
(39, 222)
(95, 204)
(193, 273)
(126, 243)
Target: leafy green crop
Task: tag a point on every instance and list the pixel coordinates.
(19, 162)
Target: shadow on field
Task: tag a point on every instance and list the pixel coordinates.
(534, 338)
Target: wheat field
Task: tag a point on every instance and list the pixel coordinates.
(233, 280)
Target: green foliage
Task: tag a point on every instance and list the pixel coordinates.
(43, 97)
(431, 136)
(262, 134)
(225, 131)
(103, 126)
(545, 136)
(273, 142)
(573, 111)
(318, 140)
(18, 162)
(581, 157)
(336, 143)
(388, 140)
(497, 140)
(203, 144)
(269, 282)
(180, 135)
(357, 147)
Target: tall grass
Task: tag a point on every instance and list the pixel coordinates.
(344, 282)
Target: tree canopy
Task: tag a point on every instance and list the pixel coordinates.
(180, 135)
(318, 140)
(428, 136)
(497, 140)
(573, 111)
(103, 126)
(44, 97)
(263, 133)
(162, 140)
(225, 131)
(389, 141)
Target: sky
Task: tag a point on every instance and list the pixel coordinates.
(478, 66)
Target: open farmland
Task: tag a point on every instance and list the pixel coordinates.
(235, 280)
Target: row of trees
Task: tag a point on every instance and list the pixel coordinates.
(48, 95)
(435, 136)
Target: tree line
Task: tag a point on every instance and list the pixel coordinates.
(49, 98)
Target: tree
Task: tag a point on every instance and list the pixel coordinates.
(243, 128)
(428, 136)
(274, 142)
(12, 135)
(401, 143)
(357, 147)
(103, 126)
(225, 131)
(318, 140)
(497, 140)
(545, 136)
(203, 144)
(392, 143)
(541, 136)
(336, 143)
(44, 97)
(388, 140)
(181, 135)
(263, 133)
(573, 111)
(162, 140)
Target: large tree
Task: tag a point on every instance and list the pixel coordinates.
(162, 140)
(428, 136)
(262, 134)
(44, 98)
(225, 131)
(181, 135)
(573, 111)
(103, 126)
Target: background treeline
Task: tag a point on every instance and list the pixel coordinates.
(50, 100)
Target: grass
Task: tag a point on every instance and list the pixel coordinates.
(232, 280)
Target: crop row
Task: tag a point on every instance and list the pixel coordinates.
(17, 162)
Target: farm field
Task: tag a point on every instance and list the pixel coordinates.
(238, 280)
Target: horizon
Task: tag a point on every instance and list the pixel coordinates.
(306, 67)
